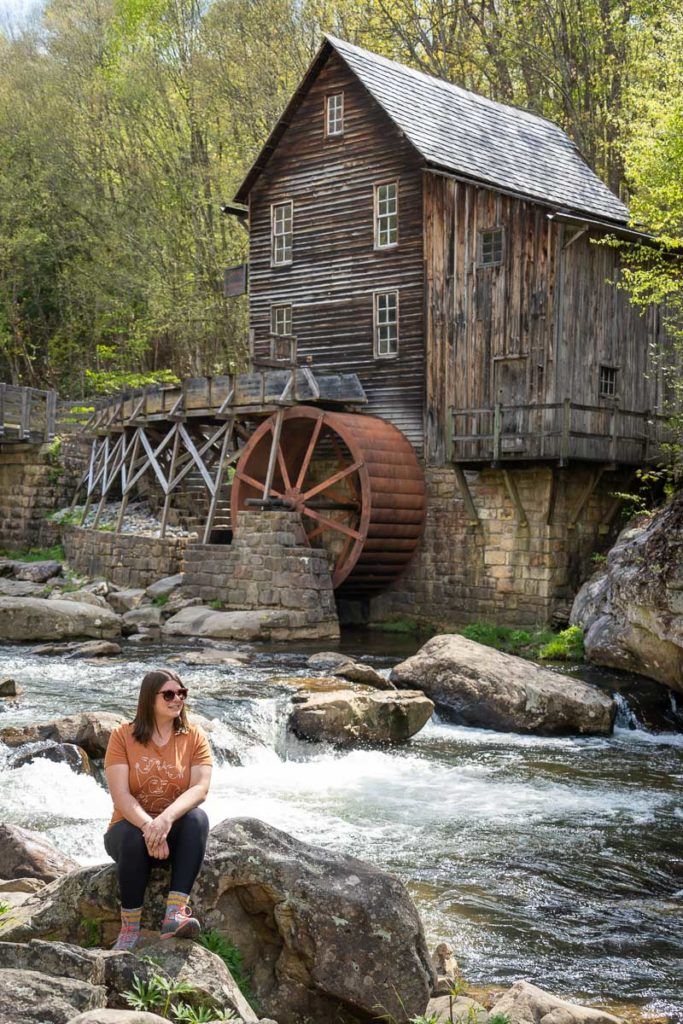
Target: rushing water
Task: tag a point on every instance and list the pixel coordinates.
(555, 860)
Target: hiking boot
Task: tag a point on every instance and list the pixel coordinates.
(180, 925)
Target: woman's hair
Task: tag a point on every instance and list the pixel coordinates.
(143, 723)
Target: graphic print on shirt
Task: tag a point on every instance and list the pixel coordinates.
(159, 783)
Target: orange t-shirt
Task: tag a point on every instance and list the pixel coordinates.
(157, 775)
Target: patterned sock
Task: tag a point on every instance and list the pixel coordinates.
(175, 904)
(130, 929)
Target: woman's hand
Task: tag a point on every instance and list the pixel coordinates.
(160, 851)
(156, 830)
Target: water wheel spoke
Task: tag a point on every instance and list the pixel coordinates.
(258, 484)
(283, 468)
(344, 553)
(309, 452)
(332, 480)
(332, 524)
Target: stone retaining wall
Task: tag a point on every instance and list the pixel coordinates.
(126, 559)
(31, 486)
(268, 565)
(498, 569)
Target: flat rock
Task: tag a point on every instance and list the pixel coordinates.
(61, 753)
(37, 572)
(21, 885)
(44, 999)
(25, 854)
(147, 616)
(19, 588)
(125, 600)
(58, 959)
(119, 1017)
(527, 1004)
(212, 656)
(334, 663)
(476, 685)
(80, 597)
(34, 618)
(90, 730)
(261, 624)
(301, 916)
(348, 718)
(165, 586)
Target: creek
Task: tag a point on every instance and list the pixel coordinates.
(557, 860)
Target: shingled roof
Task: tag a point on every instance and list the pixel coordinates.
(468, 135)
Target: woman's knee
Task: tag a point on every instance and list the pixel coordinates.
(197, 820)
(133, 842)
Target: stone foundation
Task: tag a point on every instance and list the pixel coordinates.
(31, 486)
(126, 559)
(268, 565)
(498, 569)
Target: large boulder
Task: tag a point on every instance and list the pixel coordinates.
(258, 624)
(43, 999)
(30, 572)
(349, 718)
(527, 1004)
(25, 854)
(90, 730)
(35, 618)
(80, 597)
(125, 600)
(166, 586)
(61, 753)
(322, 935)
(631, 612)
(476, 685)
(59, 959)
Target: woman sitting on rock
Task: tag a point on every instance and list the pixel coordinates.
(158, 770)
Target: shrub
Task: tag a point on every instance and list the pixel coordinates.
(566, 646)
(231, 957)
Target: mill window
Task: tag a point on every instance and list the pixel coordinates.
(282, 233)
(386, 324)
(491, 247)
(281, 320)
(386, 215)
(608, 382)
(334, 115)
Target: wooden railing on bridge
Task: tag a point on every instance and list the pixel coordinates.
(558, 431)
(27, 414)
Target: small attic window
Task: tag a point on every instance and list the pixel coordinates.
(491, 247)
(608, 381)
(334, 115)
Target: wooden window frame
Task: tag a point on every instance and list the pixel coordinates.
(480, 246)
(376, 214)
(326, 115)
(614, 371)
(273, 219)
(376, 325)
(274, 308)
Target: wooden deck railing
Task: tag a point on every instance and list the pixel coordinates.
(27, 414)
(558, 431)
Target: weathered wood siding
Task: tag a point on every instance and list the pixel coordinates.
(534, 329)
(335, 269)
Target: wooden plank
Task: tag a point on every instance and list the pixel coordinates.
(511, 487)
(461, 480)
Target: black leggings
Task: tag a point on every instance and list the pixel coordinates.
(125, 844)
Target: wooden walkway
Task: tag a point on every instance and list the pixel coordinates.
(27, 415)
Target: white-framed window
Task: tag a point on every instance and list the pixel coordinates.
(386, 215)
(608, 381)
(491, 247)
(281, 232)
(334, 115)
(386, 324)
(281, 320)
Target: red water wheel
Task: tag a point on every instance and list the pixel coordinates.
(356, 482)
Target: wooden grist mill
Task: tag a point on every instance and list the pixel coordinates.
(206, 450)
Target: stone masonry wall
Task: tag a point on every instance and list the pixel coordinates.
(126, 559)
(499, 570)
(31, 486)
(268, 565)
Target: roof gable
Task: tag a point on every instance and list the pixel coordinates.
(464, 133)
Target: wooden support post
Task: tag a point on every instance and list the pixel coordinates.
(461, 479)
(586, 493)
(497, 424)
(614, 432)
(3, 388)
(215, 497)
(270, 473)
(566, 431)
(511, 486)
(169, 488)
(50, 414)
(129, 485)
(25, 425)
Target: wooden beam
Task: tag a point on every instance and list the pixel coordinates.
(552, 496)
(128, 486)
(167, 496)
(584, 497)
(270, 472)
(511, 486)
(463, 486)
(218, 479)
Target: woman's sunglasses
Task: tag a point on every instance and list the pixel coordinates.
(170, 695)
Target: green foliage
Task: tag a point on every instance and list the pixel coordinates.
(108, 382)
(156, 995)
(4, 908)
(92, 932)
(55, 553)
(232, 958)
(566, 646)
(161, 600)
(184, 1014)
(498, 1018)
(216, 604)
(67, 516)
